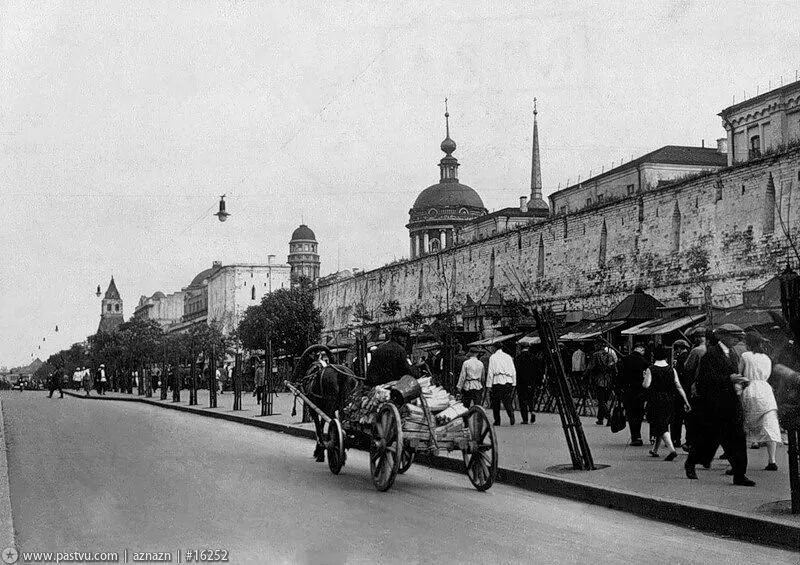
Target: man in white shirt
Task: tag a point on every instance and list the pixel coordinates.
(578, 362)
(501, 378)
(470, 382)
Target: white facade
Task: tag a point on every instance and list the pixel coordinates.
(164, 309)
(764, 123)
(234, 288)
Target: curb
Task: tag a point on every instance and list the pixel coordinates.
(7, 537)
(727, 523)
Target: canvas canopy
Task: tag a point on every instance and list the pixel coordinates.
(494, 340)
(661, 327)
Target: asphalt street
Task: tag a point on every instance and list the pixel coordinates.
(108, 476)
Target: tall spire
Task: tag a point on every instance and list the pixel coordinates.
(536, 203)
(448, 166)
(536, 169)
(448, 145)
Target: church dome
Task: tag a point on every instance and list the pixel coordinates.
(446, 195)
(304, 233)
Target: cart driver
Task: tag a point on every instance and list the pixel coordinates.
(390, 361)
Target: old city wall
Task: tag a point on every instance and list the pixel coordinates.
(720, 229)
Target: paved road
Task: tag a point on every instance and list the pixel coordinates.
(93, 476)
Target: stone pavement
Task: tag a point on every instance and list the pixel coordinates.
(536, 457)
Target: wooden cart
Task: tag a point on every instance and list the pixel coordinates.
(394, 442)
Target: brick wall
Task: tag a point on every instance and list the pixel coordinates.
(720, 216)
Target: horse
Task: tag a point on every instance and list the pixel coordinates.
(326, 385)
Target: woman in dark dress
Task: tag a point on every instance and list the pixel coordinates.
(662, 384)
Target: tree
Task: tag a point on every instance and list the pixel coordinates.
(141, 341)
(390, 308)
(287, 317)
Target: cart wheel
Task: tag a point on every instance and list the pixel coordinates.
(406, 459)
(335, 447)
(481, 459)
(386, 448)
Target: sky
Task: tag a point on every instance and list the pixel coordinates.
(121, 124)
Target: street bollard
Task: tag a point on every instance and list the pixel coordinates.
(193, 384)
(266, 396)
(164, 378)
(212, 378)
(237, 382)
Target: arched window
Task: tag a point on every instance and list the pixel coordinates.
(755, 146)
(676, 229)
(434, 245)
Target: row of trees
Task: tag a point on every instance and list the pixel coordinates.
(287, 317)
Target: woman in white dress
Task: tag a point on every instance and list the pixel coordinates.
(758, 400)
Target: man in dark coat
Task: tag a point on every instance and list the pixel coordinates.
(631, 377)
(681, 349)
(719, 420)
(390, 361)
(530, 374)
(55, 382)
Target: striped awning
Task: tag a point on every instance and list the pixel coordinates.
(586, 330)
(661, 327)
(494, 340)
(530, 339)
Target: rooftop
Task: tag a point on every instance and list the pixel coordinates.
(781, 90)
(667, 155)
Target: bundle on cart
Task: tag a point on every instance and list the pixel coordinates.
(362, 407)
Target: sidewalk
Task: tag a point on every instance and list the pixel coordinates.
(536, 457)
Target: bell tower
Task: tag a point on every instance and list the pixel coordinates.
(110, 309)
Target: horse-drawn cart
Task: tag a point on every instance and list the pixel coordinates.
(397, 427)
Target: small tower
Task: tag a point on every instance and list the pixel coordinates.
(110, 309)
(303, 255)
(536, 204)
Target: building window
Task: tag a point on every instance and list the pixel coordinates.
(108, 307)
(562, 210)
(629, 189)
(600, 197)
(116, 307)
(588, 201)
(755, 146)
(253, 293)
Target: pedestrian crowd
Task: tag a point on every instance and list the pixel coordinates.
(696, 397)
(714, 389)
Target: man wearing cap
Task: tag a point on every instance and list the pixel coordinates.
(602, 370)
(501, 378)
(720, 419)
(389, 361)
(470, 381)
(530, 374)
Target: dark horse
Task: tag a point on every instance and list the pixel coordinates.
(326, 385)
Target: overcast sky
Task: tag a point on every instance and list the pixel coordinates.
(122, 122)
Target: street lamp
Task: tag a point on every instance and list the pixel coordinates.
(222, 215)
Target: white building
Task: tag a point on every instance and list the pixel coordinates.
(763, 123)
